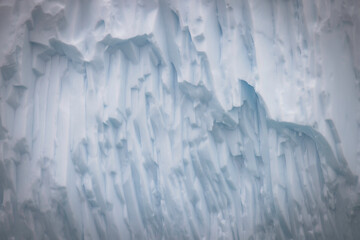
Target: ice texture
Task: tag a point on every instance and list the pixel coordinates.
(179, 119)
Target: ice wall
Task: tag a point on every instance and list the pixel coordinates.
(139, 120)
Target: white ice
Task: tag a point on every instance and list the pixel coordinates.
(168, 119)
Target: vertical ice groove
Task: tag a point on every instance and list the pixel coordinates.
(170, 119)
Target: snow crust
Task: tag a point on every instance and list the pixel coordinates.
(179, 119)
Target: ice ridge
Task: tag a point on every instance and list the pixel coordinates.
(129, 124)
(206, 173)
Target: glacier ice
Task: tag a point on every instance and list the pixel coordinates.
(140, 120)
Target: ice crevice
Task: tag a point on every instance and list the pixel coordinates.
(150, 120)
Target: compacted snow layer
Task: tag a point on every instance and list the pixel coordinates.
(139, 119)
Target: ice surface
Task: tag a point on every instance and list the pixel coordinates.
(179, 119)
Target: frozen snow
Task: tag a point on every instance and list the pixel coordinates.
(179, 119)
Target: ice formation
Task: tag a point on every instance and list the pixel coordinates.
(139, 119)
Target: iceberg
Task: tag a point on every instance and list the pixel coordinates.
(164, 120)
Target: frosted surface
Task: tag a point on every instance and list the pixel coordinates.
(179, 119)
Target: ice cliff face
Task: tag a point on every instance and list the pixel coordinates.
(139, 120)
